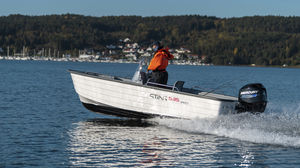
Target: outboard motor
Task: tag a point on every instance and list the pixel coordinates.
(252, 98)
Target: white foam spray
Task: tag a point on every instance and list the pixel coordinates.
(279, 128)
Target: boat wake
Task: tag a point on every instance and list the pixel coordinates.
(271, 127)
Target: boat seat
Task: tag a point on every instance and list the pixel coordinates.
(144, 77)
(178, 85)
(159, 85)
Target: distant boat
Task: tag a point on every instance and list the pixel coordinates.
(122, 97)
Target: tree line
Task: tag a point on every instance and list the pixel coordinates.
(260, 40)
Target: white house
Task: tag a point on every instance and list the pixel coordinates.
(131, 56)
(146, 54)
(135, 45)
(111, 46)
(141, 51)
(149, 49)
(86, 56)
(176, 55)
(126, 40)
(129, 50)
(182, 51)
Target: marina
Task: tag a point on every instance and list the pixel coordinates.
(37, 58)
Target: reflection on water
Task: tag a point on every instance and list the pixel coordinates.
(153, 153)
(138, 143)
(111, 142)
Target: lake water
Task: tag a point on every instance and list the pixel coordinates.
(43, 123)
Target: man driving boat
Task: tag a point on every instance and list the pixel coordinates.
(159, 63)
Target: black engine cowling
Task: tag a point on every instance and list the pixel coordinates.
(252, 98)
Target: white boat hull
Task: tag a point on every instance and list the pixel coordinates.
(113, 96)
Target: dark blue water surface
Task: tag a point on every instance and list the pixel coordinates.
(43, 123)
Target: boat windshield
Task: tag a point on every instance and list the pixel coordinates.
(142, 67)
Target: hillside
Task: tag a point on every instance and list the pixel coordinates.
(260, 40)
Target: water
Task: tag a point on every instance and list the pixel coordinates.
(43, 123)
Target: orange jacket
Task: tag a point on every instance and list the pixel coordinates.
(160, 60)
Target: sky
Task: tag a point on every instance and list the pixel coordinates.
(218, 8)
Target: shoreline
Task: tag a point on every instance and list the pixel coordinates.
(174, 62)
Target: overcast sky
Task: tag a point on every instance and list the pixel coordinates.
(219, 8)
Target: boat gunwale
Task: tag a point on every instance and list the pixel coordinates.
(115, 79)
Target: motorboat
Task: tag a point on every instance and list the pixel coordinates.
(141, 98)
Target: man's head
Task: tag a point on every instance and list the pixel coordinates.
(156, 45)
